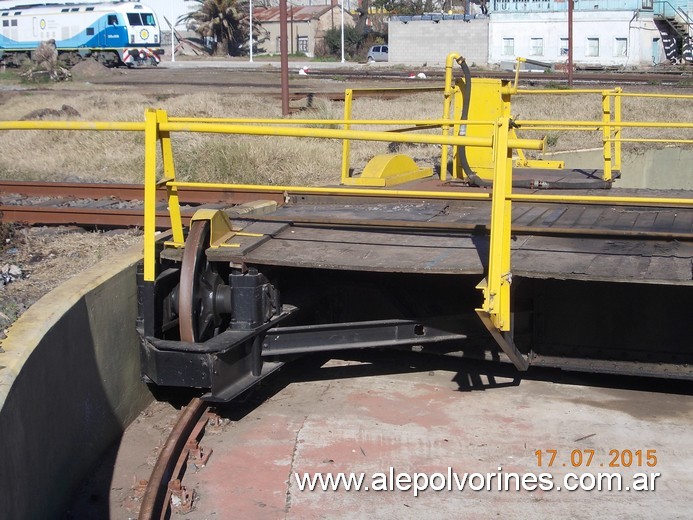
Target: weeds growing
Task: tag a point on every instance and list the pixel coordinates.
(118, 156)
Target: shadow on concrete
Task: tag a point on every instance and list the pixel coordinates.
(471, 375)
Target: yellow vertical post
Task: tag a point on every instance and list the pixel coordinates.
(606, 134)
(150, 138)
(497, 293)
(495, 311)
(170, 175)
(447, 104)
(617, 129)
(346, 144)
(457, 96)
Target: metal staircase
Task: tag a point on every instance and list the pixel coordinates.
(675, 26)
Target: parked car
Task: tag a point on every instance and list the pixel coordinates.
(377, 53)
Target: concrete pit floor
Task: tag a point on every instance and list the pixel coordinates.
(368, 412)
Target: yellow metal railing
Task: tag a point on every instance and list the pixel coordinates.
(495, 310)
(611, 125)
(158, 129)
(347, 122)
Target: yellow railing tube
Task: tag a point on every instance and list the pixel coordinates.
(495, 311)
(606, 134)
(346, 144)
(150, 139)
(497, 291)
(170, 175)
(447, 104)
(617, 129)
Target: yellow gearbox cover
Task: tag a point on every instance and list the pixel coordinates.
(389, 170)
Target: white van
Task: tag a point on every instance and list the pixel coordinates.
(377, 53)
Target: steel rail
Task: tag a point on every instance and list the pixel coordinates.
(110, 217)
(75, 189)
(127, 192)
(155, 500)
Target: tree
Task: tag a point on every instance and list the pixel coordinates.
(223, 24)
(411, 7)
(352, 41)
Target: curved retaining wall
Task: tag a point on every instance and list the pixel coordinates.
(69, 385)
(660, 169)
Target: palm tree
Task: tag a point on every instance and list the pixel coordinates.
(222, 23)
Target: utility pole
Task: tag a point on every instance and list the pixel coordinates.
(341, 8)
(284, 51)
(570, 43)
(251, 31)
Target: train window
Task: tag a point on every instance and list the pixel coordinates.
(65, 10)
(90, 31)
(141, 19)
(89, 9)
(13, 23)
(17, 13)
(5, 23)
(74, 9)
(112, 19)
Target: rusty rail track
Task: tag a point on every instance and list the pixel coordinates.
(102, 204)
(181, 447)
(664, 75)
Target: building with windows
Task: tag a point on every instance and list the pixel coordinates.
(619, 33)
(306, 26)
(606, 33)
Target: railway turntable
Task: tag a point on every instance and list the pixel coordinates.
(490, 262)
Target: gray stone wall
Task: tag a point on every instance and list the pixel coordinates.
(419, 42)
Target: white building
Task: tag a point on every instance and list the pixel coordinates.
(624, 33)
(620, 33)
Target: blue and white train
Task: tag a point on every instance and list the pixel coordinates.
(115, 33)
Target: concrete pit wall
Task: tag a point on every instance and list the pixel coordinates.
(657, 169)
(425, 41)
(69, 385)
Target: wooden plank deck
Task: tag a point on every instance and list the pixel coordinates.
(440, 237)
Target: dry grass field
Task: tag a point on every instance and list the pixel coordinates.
(111, 156)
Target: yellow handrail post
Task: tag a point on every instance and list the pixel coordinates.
(495, 311)
(618, 129)
(497, 293)
(457, 113)
(515, 87)
(151, 134)
(606, 134)
(170, 175)
(346, 143)
(447, 104)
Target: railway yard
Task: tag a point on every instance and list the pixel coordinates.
(286, 326)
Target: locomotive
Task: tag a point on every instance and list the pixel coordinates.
(115, 33)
